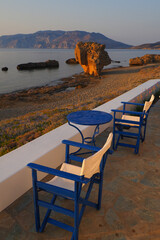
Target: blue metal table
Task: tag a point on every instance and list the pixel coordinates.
(89, 118)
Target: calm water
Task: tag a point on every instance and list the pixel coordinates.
(14, 80)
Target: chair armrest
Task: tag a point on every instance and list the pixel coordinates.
(129, 112)
(58, 173)
(131, 103)
(81, 145)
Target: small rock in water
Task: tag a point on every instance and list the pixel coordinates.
(115, 61)
(72, 61)
(5, 69)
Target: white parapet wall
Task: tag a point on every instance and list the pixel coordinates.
(15, 177)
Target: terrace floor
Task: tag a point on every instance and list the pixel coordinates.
(130, 203)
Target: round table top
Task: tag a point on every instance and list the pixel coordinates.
(89, 117)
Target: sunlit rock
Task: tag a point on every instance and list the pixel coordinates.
(92, 57)
(146, 59)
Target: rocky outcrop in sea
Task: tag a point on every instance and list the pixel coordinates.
(72, 61)
(92, 57)
(5, 69)
(38, 65)
(146, 59)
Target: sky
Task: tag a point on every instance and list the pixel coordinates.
(129, 21)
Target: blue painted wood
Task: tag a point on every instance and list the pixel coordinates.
(100, 191)
(127, 145)
(121, 127)
(132, 103)
(61, 225)
(129, 112)
(56, 208)
(58, 173)
(120, 121)
(72, 195)
(56, 190)
(47, 214)
(75, 158)
(76, 210)
(122, 124)
(85, 199)
(87, 203)
(67, 154)
(35, 199)
(74, 155)
(127, 133)
(80, 145)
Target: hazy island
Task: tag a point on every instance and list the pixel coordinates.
(57, 39)
(65, 39)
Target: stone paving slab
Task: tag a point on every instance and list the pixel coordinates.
(130, 203)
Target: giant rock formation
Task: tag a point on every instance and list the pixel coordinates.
(92, 57)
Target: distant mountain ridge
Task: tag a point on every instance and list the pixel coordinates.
(148, 46)
(57, 39)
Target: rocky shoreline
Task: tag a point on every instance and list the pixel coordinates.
(80, 88)
(28, 114)
(76, 81)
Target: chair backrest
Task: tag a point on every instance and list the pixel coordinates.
(148, 104)
(91, 165)
(152, 98)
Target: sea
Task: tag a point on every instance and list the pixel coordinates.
(15, 80)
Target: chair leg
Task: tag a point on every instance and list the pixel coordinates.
(144, 133)
(136, 149)
(47, 214)
(117, 141)
(138, 141)
(35, 199)
(120, 128)
(86, 198)
(100, 192)
(113, 142)
(76, 212)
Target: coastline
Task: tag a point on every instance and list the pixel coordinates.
(26, 115)
(80, 88)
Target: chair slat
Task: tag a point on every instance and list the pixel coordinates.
(56, 208)
(60, 224)
(75, 158)
(88, 203)
(127, 145)
(56, 190)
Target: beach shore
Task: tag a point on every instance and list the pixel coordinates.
(26, 115)
(79, 90)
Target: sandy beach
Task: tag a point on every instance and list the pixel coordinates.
(26, 115)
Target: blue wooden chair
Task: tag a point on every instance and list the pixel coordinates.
(68, 183)
(125, 120)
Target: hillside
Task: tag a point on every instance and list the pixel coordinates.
(57, 39)
(148, 46)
